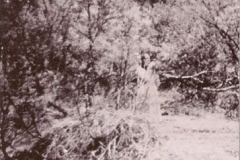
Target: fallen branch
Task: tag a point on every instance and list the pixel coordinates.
(201, 84)
(186, 77)
(221, 89)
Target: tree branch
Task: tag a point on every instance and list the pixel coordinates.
(225, 35)
(80, 32)
(58, 108)
(186, 77)
(222, 89)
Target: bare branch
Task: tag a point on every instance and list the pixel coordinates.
(195, 75)
(186, 77)
(221, 89)
(80, 32)
(224, 34)
(58, 108)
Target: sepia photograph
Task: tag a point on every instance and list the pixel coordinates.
(119, 79)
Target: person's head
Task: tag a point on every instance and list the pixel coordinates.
(145, 60)
(137, 57)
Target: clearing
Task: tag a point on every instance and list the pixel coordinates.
(211, 137)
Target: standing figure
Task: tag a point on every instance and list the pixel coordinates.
(147, 92)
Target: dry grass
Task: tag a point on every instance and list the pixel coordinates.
(104, 134)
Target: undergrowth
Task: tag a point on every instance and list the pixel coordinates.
(102, 135)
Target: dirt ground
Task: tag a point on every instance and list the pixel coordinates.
(211, 137)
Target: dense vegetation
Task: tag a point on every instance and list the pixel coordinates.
(67, 71)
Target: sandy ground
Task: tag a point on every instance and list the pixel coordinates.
(199, 138)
